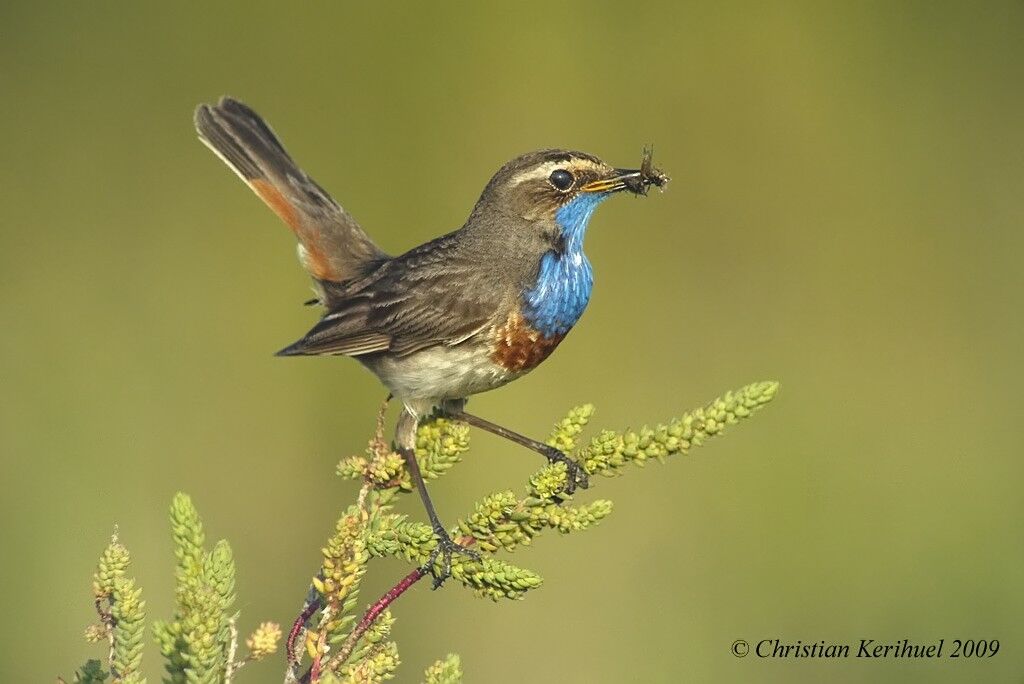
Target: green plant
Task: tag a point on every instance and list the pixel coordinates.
(200, 643)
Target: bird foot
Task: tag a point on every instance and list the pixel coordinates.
(444, 550)
(575, 475)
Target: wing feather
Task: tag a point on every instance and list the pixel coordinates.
(428, 297)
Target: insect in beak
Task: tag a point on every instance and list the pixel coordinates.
(637, 181)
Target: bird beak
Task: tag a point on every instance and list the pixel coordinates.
(620, 179)
(636, 181)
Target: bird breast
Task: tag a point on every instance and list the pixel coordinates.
(557, 300)
(519, 347)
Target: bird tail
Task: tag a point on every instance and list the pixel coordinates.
(332, 246)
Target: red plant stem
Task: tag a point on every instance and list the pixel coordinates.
(381, 604)
(369, 617)
(293, 634)
(314, 669)
(386, 600)
(378, 607)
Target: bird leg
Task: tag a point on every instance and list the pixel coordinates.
(577, 477)
(405, 436)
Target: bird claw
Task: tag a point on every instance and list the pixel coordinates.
(576, 476)
(444, 549)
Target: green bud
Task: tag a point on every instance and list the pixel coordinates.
(445, 671)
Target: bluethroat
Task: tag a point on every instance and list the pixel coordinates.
(464, 313)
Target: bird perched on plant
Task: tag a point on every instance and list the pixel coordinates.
(464, 313)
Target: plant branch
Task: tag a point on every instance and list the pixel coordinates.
(230, 665)
(312, 605)
(380, 605)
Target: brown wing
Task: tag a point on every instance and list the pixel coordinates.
(333, 246)
(427, 297)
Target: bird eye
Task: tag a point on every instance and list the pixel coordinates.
(561, 179)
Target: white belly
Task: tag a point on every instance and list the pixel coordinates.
(428, 377)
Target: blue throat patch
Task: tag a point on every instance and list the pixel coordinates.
(558, 298)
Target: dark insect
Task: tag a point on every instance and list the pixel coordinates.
(649, 175)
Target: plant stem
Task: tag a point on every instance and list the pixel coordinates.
(311, 607)
(374, 611)
(230, 667)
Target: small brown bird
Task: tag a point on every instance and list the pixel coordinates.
(464, 313)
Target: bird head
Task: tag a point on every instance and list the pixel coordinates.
(554, 192)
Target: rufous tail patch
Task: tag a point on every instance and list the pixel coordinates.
(314, 259)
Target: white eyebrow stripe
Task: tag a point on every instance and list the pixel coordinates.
(537, 172)
(574, 165)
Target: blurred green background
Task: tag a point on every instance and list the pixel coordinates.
(845, 216)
